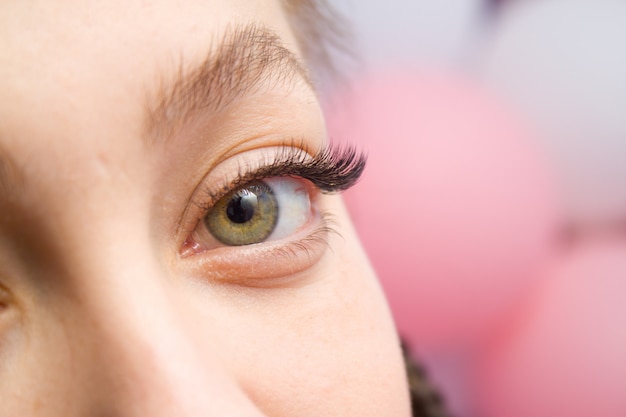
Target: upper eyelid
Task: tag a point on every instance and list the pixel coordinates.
(246, 172)
(331, 169)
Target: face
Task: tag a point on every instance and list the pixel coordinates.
(168, 242)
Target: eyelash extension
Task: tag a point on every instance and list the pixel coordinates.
(332, 169)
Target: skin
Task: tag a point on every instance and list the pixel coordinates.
(100, 315)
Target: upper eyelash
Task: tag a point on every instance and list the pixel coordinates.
(332, 169)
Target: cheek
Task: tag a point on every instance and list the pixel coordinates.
(328, 346)
(38, 358)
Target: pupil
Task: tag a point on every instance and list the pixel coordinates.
(241, 208)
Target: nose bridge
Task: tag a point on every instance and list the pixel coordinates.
(144, 355)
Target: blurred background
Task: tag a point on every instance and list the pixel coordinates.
(494, 203)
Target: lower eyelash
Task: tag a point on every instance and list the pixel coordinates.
(319, 236)
(276, 265)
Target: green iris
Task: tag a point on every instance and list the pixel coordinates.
(244, 216)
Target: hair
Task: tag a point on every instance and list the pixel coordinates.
(324, 37)
(426, 400)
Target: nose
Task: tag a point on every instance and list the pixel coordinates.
(143, 353)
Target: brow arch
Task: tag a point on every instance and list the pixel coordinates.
(244, 60)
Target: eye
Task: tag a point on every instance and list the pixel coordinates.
(258, 211)
(271, 209)
(245, 216)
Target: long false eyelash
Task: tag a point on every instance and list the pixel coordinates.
(332, 169)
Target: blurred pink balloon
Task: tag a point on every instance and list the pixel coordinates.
(565, 354)
(455, 208)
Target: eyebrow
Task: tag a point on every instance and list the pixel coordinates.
(247, 59)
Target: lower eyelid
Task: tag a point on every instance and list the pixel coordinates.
(268, 264)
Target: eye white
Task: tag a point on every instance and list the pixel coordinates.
(294, 205)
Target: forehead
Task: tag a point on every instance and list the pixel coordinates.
(66, 64)
(55, 32)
